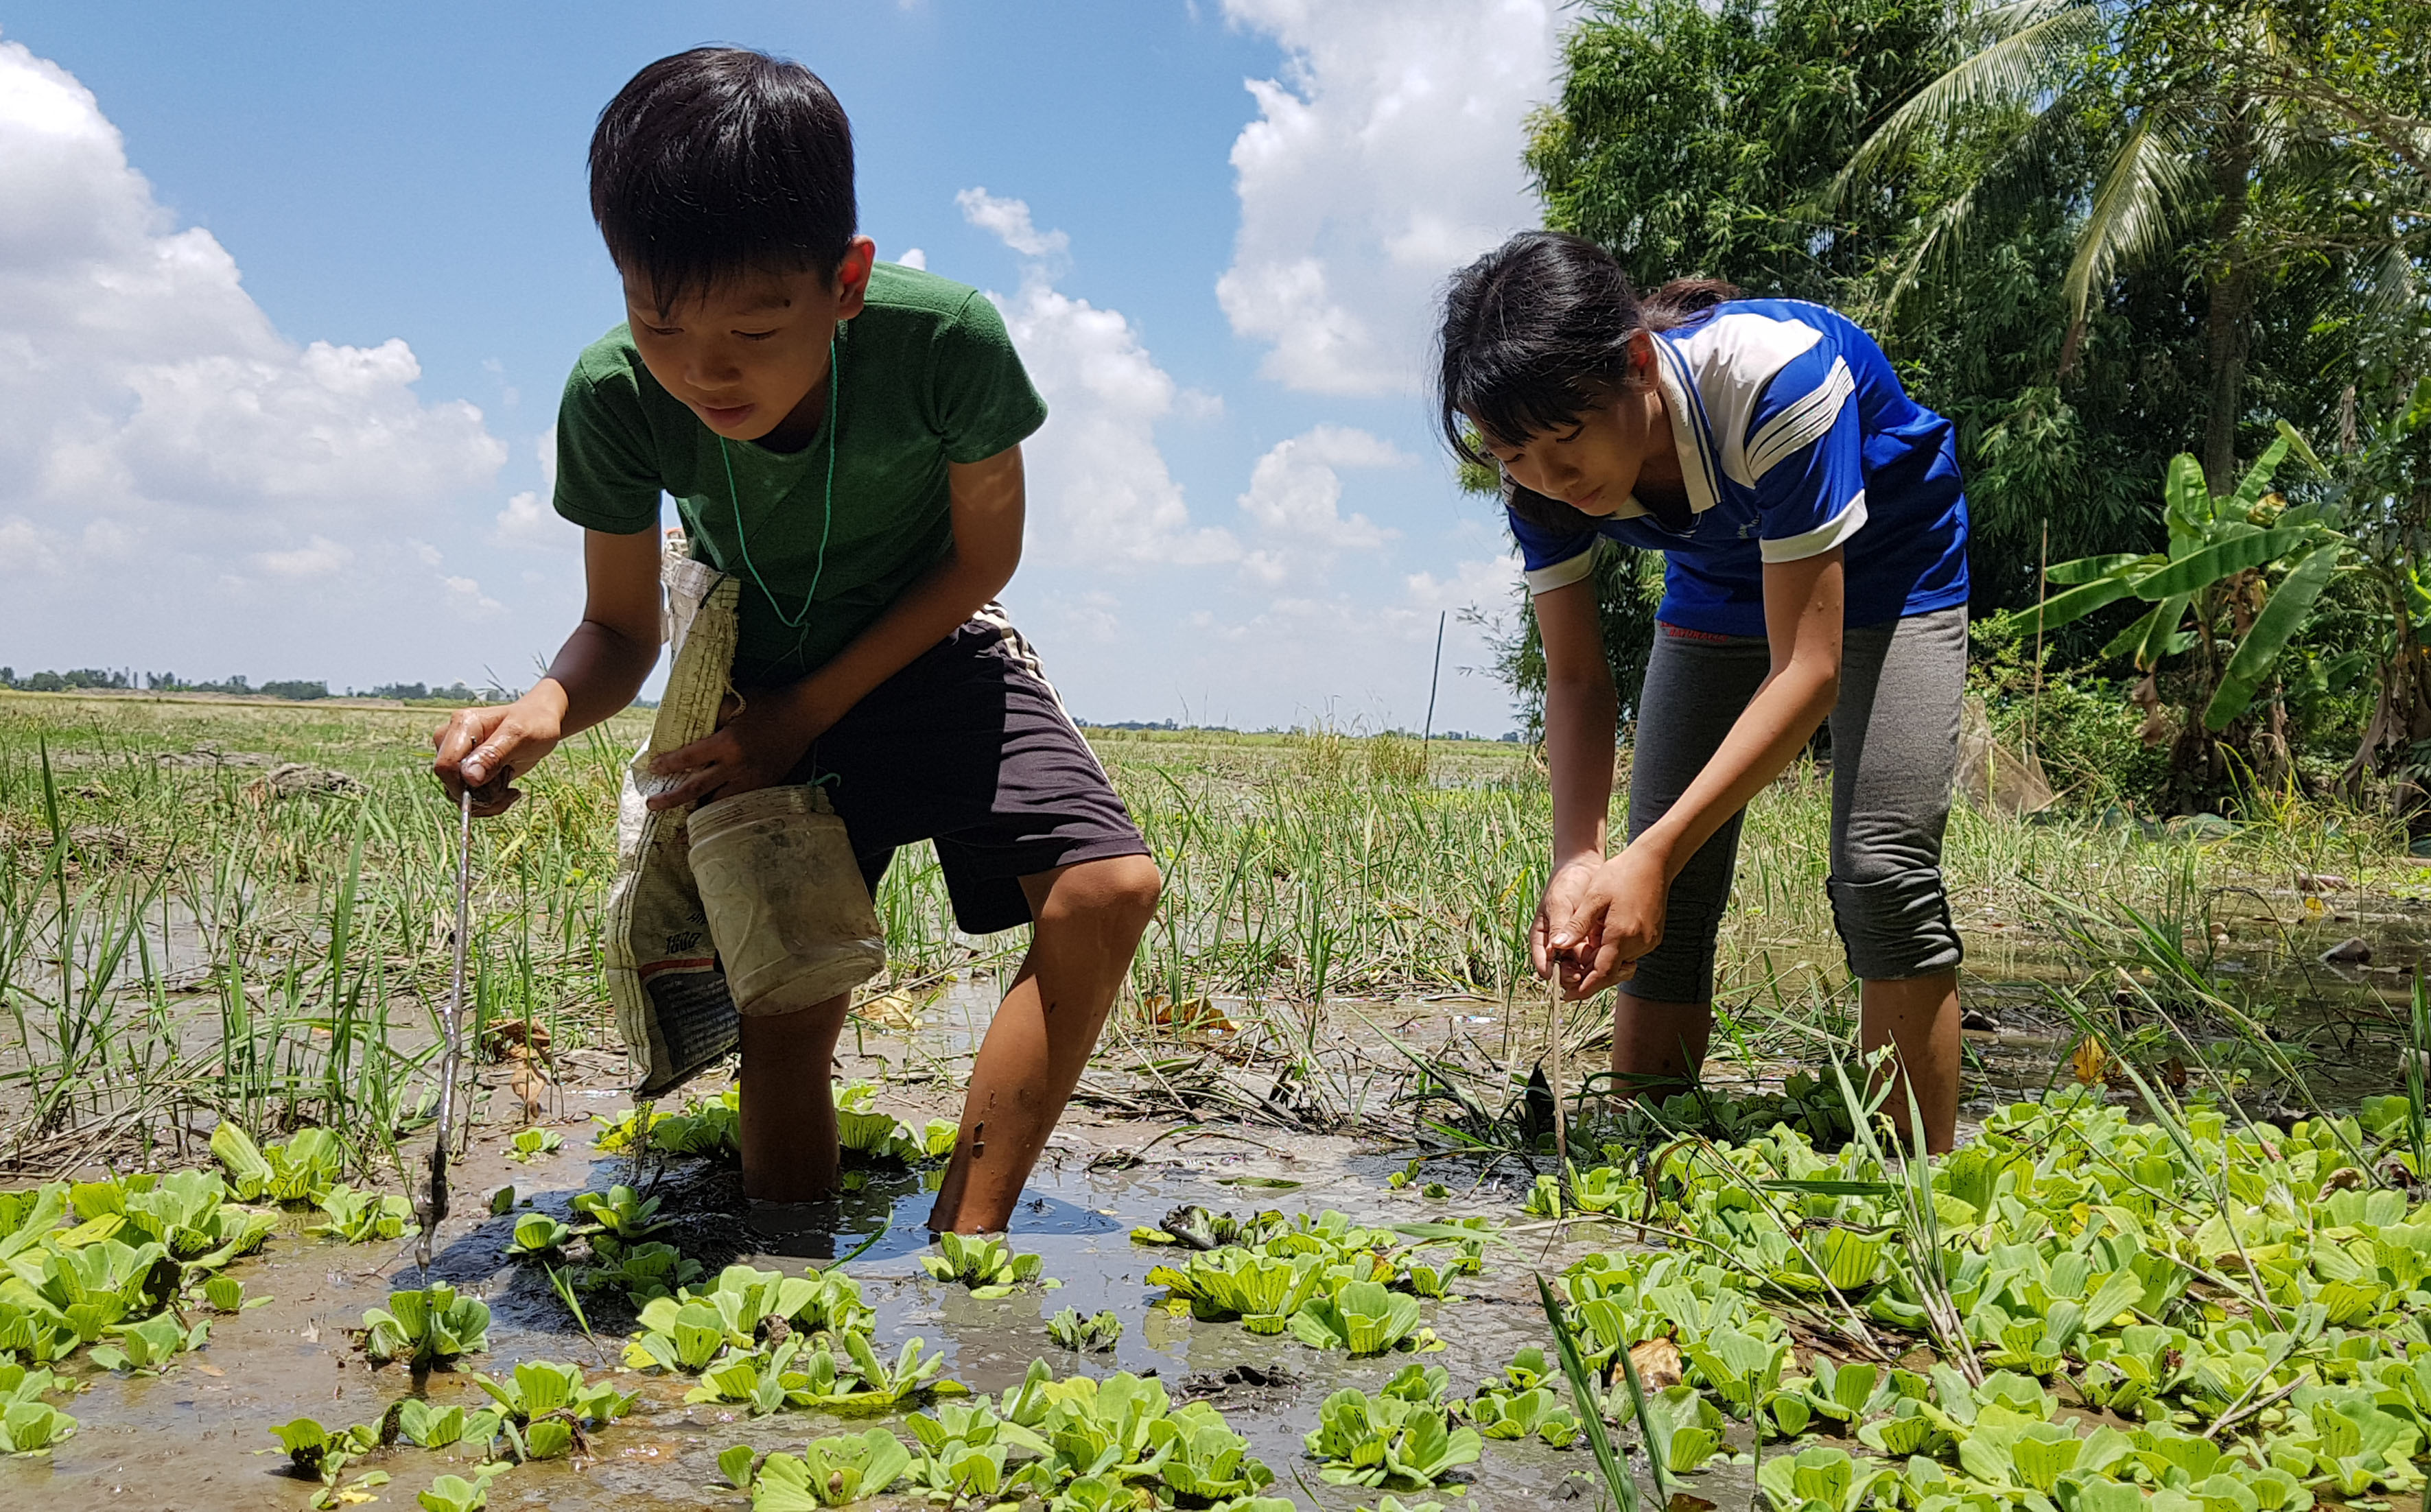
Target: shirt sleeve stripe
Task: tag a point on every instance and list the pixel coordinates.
(1832, 532)
(1801, 423)
(1560, 574)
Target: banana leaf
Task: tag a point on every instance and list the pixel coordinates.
(2281, 619)
(2073, 605)
(2223, 558)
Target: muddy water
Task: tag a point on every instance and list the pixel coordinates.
(198, 1437)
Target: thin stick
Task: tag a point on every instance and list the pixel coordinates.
(1554, 1074)
(451, 1060)
(2042, 591)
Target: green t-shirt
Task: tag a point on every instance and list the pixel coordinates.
(927, 376)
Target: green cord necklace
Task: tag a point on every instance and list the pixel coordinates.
(827, 520)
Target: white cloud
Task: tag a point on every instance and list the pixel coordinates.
(317, 558)
(1101, 492)
(1483, 583)
(527, 522)
(914, 258)
(148, 406)
(1008, 220)
(1295, 492)
(1386, 155)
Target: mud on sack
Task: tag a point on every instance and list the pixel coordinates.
(788, 909)
(673, 1009)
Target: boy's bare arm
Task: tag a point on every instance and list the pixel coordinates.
(760, 746)
(596, 673)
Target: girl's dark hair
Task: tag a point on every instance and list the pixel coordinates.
(1537, 332)
(719, 161)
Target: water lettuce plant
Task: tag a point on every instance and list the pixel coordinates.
(426, 1426)
(530, 1143)
(831, 1471)
(1401, 1436)
(620, 1212)
(299, 1172)
(987, 1266)
(1365, 1318)
(361, 1216)
(538, 1236)
(427, 1327)
(1094, 1335)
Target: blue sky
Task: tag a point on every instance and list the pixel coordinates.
(300, 285)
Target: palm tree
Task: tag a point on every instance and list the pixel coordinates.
(2204, 121)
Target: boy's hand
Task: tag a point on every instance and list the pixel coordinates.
(756, 748)
(486, 749)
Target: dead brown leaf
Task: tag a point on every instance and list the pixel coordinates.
(2091, 1064)
(1657, 1361)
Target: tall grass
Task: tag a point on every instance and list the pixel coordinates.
(177, 944)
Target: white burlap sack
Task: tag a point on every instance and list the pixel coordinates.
(672, 1004)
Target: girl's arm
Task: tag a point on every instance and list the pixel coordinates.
(1620, 916)
(1580, 710)
(597, 672)
(758, 747)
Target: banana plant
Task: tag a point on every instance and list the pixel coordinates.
(2224, 553)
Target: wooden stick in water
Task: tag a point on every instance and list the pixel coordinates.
(1554, 1016)
(451, 1056)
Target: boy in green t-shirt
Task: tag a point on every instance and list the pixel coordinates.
(843, 436)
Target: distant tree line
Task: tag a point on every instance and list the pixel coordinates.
(295, 689)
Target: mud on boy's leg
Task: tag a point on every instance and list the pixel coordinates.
(1089, 919)
(788, 1115)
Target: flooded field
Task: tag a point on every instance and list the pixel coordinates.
(212, 922)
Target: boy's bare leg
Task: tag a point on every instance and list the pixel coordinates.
(1657, 1047)
(1090, 916)
(788, 1116)
(1919, 1014)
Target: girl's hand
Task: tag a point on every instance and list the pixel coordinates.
(1615, 918)
(485, 750)
(1555, 911)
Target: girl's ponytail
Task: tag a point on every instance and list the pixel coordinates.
(1537, 332)
(1684, 301)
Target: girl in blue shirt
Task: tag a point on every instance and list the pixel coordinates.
(1814, 531)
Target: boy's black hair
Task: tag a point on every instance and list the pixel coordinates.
(1537, 332)
(720, 161)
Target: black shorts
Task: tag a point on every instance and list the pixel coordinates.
(969, 747)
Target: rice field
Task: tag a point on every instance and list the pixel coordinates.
(226, 927)
(226, 910)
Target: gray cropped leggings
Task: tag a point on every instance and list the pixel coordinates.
(1894, 753)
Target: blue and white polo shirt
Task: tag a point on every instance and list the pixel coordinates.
(1795, 437)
